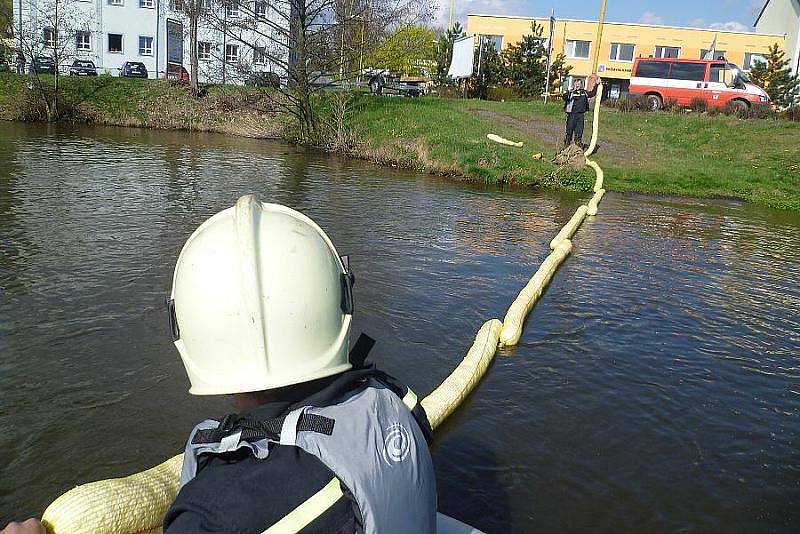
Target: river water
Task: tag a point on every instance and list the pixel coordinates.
(656, 386)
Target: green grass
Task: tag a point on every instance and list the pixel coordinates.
(666, 153)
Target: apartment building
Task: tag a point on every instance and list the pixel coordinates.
(622, 43)
(783, 16)
(153, 32)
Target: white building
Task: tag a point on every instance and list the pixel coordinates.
(153, 32)
(783, 17)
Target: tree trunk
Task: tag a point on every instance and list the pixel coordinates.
(193, 60)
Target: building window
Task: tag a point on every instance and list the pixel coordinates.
(116, 2)
(205, 5)
(718, 54)
(49, 37)
(176, 5)
(232, 53)
(751, 60)
(145, 45)
(149, 4)
(260, 9)
(232, 9)
(115, 43)
(83, 40)
(260, 56)
(622, 52)
(204, 51)
(578, 49)
(671, 52)
(494, 40)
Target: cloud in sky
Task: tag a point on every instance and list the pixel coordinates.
(483, 7)
(650, 18)
(731, 25)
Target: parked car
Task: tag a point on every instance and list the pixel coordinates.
(176, 73)
(43, 65)
(133, 69)
(264, 79)
(715, 81)
(82, 67)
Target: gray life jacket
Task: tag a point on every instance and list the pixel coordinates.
(370, 441)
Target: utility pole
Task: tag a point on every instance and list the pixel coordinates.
(450, 24)
(550, 54)
(596, 60)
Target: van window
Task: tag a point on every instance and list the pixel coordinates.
(695, 72)
(721, 74)
(653, 69)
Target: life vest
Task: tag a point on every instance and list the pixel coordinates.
(370, 441)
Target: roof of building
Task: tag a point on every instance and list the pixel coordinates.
(630, 24)
(761, 13)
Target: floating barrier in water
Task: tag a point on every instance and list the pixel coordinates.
(570, 228)
(598, 196)
(530, 294)
(503, 141)
(133, 504)
(446, 398)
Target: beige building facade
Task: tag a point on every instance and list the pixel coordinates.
(622, 43)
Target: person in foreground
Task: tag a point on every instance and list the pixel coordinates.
(576, 104)
(261, 308)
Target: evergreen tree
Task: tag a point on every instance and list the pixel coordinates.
(444, 54)
(558, 71)
(490, 71)
(776, 78)
(526, 63)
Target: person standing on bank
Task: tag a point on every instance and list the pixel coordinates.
(261, 308)
(576, 104)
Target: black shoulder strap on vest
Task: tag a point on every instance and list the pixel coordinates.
(254, 430)
(360, 351)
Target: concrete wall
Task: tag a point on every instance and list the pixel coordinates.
(783, 16)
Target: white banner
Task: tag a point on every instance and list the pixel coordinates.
(463, 55)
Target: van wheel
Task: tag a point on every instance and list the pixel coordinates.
(740, 106)
(654, 102)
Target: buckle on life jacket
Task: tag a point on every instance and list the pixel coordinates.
(255, 430)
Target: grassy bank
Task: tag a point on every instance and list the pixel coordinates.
(671, 153)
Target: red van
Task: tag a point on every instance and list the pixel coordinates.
(716, 81)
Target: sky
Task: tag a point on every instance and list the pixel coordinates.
(736, 15)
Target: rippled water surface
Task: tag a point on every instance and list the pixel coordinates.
(656, 387)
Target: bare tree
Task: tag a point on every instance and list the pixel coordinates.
(50, 30)
(195, 13)
(307, 43)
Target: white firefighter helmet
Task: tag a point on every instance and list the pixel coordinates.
(260, 300)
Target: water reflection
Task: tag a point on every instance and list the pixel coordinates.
(656, 386)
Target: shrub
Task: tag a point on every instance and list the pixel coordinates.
(791, 114)
(670, 104)
(699, 105)
(504, 92)
(761, 111)
(736, 110)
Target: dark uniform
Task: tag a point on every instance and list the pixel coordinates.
(236, 492)
(576, 104)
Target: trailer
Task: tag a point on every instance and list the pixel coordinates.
(384, 83)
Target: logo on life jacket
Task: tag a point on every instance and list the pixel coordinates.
(396, 445)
